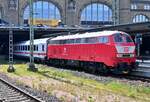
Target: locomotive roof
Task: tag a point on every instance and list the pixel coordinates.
(36, 41)
(87, 35)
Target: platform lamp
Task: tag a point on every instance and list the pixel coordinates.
(31, 64)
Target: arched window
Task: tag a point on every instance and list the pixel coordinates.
(140, 18)
(43, 11)
(96, 12)
(1, 14)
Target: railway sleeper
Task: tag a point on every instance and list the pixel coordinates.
(16, 99)
(16, 96)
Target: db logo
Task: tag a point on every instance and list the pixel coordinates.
(126, 49)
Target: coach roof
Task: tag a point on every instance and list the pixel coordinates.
(86, 35)
(36, 42)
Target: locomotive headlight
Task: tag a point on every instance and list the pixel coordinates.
(119, 55)
(131, 55)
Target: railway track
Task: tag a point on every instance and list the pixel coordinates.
(11, 93)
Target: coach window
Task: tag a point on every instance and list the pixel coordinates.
(34, 47)
(37, 47)
(42, 47)
(25, 48)
(28, 47)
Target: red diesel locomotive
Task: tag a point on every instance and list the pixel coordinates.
(100, 51)
(96, 51)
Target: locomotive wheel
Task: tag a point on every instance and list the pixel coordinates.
(105, 69)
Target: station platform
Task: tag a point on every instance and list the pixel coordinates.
(143, 69)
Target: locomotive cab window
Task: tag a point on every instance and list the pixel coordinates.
(119, 38)
(128, 38)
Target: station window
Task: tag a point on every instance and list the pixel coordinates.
(133, 6)
(147, 7)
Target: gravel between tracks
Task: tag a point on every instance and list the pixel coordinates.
(38, 94)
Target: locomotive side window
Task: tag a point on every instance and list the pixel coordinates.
(78, 41)
(70, 41)
(63, 42)
(103, 39)
(83, 40)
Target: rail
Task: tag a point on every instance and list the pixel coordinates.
(9, 92)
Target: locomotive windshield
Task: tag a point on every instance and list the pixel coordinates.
(119, 38)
